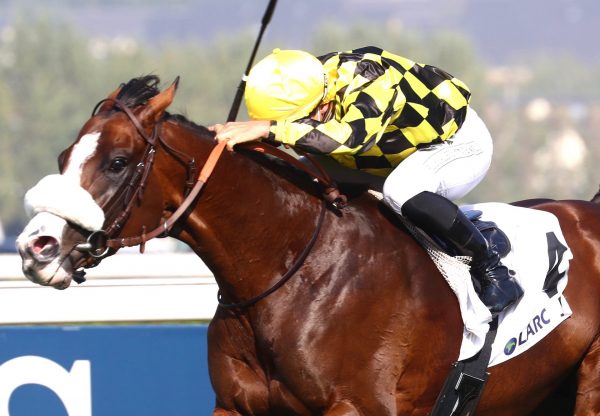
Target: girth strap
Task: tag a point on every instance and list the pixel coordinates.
(465, 383)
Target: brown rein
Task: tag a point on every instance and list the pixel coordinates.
(332, 194)
(291, 271)
(99, 242)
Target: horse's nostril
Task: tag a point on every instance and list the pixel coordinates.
(44, 248)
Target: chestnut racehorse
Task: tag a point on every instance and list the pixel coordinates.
(339, 311)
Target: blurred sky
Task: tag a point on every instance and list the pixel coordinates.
(500, 29)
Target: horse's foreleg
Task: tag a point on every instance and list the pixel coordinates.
(235, 373)
(238, 389)
(588, 383)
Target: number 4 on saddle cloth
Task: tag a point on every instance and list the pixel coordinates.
(534, 249)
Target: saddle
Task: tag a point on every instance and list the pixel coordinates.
(492, 233)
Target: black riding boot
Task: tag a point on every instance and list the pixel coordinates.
(441, 218)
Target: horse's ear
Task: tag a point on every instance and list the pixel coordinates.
(157, 105)
(108, 102)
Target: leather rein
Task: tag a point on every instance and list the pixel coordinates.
(99, 243)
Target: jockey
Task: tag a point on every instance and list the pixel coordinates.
(375, 115)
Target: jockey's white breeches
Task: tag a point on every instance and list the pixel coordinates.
(451, 169)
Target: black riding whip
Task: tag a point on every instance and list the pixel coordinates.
(240, 90)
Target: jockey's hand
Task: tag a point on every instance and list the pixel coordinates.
(235, 132)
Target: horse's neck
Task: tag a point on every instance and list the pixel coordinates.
(249, 224)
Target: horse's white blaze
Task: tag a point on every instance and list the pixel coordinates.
(81, 153)
(62, 195)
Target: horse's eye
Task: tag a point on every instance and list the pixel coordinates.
(118, 164)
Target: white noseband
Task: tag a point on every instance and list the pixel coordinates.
(62, 196)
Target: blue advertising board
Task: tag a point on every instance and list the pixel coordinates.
(128, 370)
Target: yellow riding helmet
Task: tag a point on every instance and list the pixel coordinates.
(285, 85)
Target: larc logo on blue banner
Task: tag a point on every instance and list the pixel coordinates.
(73, 387)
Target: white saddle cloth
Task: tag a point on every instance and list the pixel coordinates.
(539, 257)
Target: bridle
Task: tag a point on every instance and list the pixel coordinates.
(99, 243)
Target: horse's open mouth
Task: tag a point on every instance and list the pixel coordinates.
(44, 248)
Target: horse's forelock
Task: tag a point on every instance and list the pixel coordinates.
(138, 91)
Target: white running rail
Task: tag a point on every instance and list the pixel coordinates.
(156, 286)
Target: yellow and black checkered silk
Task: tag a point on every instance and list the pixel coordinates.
(386, 107)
